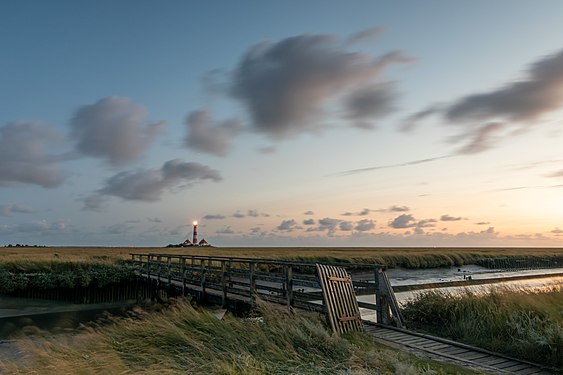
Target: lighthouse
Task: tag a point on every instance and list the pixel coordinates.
(194, 240)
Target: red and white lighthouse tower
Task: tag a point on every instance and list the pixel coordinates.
(194, 240)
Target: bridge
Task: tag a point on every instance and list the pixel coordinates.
(232, 281)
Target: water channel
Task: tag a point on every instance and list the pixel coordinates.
(34, 308)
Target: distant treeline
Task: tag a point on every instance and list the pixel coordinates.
(21, 245)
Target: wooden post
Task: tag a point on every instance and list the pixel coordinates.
(289, 285)
(378, 297)
(159, 260)
(202, 271)
(383, 301)
(224, 283)
(252, 282)
(183, 276)
(169, 271)
(149, 258)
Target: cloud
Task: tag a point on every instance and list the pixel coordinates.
(250, 213)
(309, 222)
(154, 220)
(113, 129)
(540, 92)
(370, 103)
(364, 212)
(557, 231)
(121, 228)
(95, 202)
(267, 150)
(403, 221)
(367, 35)
(214, 217)
(257, 231)
(483, 223)
(346, 225)
(149, 184)
(412, 120)
(326, 224)
(42, 227)
(556, 174)
(286, 85)
(208, 137)
(287, 225)
(364, 225)
(25, 157)
(225, 230)
(399, 209)
(516, 105)
(450, 218)
(405, 164)
(255, 213)
(482, 138)
(426, 223)
(9, 209)
(309, 213)
(408, 221)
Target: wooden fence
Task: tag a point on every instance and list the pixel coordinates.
(294, 284)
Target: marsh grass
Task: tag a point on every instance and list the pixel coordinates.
(48, 274)
(186, 340)
(520, 323)
(390, 257)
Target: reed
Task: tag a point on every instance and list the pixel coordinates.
(390, 257)
(520, 323)
(186, 340)
(32, 274)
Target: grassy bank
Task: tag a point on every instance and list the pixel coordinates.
(47, 274)
(390, 257)
(522, 324)
(183, 340)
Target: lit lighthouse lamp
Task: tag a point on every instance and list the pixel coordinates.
(194, 240)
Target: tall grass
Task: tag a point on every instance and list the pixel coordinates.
(184, 340)
(33, 274)
(391, 257)
(520, 323)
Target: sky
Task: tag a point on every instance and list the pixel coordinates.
(310, 123)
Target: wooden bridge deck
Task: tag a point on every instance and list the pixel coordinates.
(453, 352)
(231, 280)
(228, 280)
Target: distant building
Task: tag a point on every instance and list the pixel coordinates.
(188, 243)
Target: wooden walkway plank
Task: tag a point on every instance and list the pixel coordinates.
(457, 353)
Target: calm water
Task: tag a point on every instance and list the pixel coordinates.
(412, 277)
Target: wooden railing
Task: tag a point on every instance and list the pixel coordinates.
(294, 284)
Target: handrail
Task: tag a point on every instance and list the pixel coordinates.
(288, 282)
(261, 260)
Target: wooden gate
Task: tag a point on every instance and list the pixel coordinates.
(339, 299)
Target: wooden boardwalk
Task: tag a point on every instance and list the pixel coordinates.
(452, 352)
(296, 284)
(228, 281)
